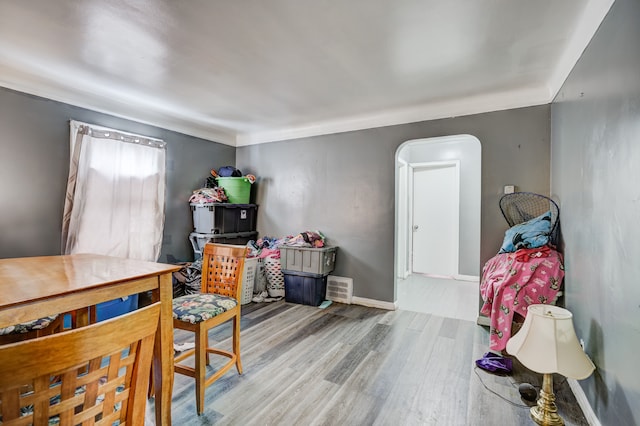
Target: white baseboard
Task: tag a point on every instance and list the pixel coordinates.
(467, 278)
(583, 402)
(372, 303)
(403, 275)
(483, 320)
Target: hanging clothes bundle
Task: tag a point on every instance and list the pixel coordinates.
(527, 270)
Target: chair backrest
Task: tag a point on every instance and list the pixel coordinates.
(98, 372)
(519, 207)
(222, 267)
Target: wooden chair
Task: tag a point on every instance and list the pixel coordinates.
(219, 302)
(91, 375)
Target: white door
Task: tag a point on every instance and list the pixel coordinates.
(435, 218)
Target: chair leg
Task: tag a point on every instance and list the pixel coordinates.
(236, 341)
(150, 392)
(201, 358)
(206, 353)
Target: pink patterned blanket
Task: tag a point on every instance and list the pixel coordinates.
(513, 281)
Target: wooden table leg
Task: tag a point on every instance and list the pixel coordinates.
(81, 317)
(163, 353)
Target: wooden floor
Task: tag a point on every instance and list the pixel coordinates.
(352, 365)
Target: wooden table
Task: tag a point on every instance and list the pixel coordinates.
(33, 287)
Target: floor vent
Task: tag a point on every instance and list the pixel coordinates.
(339, 289)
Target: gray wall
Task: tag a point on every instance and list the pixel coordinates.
(340, 184)
(595, 176)
(343, 185)
(34, 137)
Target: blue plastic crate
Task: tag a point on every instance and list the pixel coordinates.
(110, 309)
(304, 289)
(116, 307)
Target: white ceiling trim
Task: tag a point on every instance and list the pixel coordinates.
(141, 112)
(445, 109)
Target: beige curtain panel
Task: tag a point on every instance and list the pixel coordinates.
(115, 195)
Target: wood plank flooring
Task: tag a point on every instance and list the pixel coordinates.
(353, 365)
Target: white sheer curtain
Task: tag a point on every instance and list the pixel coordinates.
(115, 194)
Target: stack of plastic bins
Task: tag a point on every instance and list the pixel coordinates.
(222, 223)
(305, 273)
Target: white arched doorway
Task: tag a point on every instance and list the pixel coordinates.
(437, 226)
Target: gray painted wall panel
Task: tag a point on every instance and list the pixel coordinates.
(596, 170)
(34, 136)
(343, 185)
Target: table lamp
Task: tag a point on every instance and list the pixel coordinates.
(547, 344)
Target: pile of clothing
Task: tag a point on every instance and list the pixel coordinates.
(208, 195)
(188, 279)
(270, 278)
(527, 270)
(270, 246)
(265, 247)
(313, 239)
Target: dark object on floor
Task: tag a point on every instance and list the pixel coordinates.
(495, 363)
(528, 392)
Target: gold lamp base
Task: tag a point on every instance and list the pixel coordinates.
(546, 412)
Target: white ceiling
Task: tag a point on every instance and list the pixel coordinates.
(250, 71)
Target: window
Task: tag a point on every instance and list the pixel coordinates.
(115, 194)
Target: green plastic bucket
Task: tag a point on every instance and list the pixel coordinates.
(238, 189)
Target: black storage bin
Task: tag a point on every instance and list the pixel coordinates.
(242, 239)
(222, 218)
(199, 240)
(305, 289)
(246, 217)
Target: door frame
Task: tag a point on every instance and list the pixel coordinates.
(468, 149)
(420, 166)
(403, 227)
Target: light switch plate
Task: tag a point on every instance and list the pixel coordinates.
(509, 189)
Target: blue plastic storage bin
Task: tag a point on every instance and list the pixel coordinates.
(116, 307)
(110, 309)
(304, 289)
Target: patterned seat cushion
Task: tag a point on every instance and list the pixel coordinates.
(195, 308)
(26, 327)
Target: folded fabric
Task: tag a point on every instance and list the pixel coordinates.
(495, 363)
(531, 234)
(524, 255)
(229, 171)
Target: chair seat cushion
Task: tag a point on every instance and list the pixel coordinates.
(195, 308)
(26, 327)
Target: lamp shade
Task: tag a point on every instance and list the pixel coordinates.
(547, 343)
